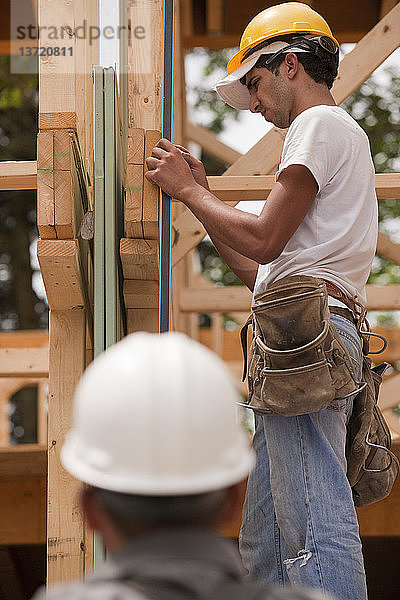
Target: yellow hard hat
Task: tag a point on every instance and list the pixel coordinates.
(282, 19)
(263, 35)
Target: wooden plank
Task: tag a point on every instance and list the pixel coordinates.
(22, 510)
(387, 185)
(24, 338)
(388, 249)
(145, 63)
(238, 298)
(389, 392)
(57, 120)
(263, 157)
(210, 143)
(23, 460)
(140, 259)
(45, 185)
(218, 299)
(42, 404)
(60, 267)
(65, 529)
(24, 362)
(143, 319)
(383, 297)
(18, 175)
(134, 201)
(151, 193)
(141, 293)
(135, 146)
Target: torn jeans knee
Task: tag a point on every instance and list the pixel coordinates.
(301, 560)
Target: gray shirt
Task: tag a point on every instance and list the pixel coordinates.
(179, 564)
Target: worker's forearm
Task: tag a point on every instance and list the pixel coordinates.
(245, 268)
(240, 231)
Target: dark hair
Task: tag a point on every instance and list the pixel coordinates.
(128, 511)
(322, 66)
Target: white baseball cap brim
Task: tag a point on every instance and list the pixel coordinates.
(232, 91)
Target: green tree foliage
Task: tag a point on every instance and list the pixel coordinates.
(20, 308)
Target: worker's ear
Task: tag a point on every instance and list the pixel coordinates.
(91, 507)
(232, 508)
(291, 65)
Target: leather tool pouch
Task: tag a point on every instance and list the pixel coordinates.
(371, 467)
(297, 363)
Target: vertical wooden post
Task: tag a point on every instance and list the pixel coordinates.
(65, 526)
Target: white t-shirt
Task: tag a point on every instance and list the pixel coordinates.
(337, 238)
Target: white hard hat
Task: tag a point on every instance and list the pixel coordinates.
(156, 415)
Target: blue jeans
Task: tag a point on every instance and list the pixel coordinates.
(299, 523)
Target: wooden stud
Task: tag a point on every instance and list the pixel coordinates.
(140, 294)
(151, 192)
(65, 525)
(140, 259)
(145, 63)
(215, 16)
(42, 408)
(134, 201)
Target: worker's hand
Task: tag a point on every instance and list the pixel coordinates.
(196, 166)
(168, 168)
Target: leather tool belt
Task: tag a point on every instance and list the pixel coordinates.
(297, 362)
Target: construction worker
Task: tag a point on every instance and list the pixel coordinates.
(157, 444)
(320, 221)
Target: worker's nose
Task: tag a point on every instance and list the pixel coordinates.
(254, 104)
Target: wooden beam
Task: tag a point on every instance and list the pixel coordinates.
(24, 338)
(263, 157)
(66, 529)
(57, 120)
(387, 185)
(238, 299)
(210, 143)
(59, 262)
(24, 362)
(215, 16)
(143, 319)
(388, 249)
(18, 175)
(140, 259)
(45, 185)
(141, 293)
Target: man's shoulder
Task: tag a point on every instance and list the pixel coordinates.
(91, 590)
